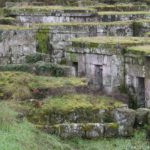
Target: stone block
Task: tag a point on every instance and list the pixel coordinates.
(142, 116)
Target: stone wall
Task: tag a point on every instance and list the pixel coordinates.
(15, 45)
(56, 17)
(137, 79)
(59, 36)
(109, 17)
(110, 67)
(124, 123)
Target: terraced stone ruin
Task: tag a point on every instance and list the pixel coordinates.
(78, 71)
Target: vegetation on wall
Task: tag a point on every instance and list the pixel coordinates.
(42, 38)
(137, 26)
(40, 68)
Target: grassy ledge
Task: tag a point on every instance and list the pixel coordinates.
(139, 49)
(19, 85)
(115, 23)
(45, 9)
(81, 101)
(121, 7)
(123, 13)
(108, 40)
(12, 27)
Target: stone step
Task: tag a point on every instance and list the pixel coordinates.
(90, 130)
(122, 125)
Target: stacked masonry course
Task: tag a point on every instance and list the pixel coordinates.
(107, 43)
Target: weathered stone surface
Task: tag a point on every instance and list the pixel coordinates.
(82, 115)
(15, 45)
(108, 17)
(111, 130)
(125, 131)
(125, 119)
(88, 130)
(142, 116)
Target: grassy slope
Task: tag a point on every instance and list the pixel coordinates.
(22, 135)
(138, 142)
(139, 49)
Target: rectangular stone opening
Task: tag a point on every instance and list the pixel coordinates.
(75, 65)
(99, 76)
(141, 92)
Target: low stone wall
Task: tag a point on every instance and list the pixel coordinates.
(122, 126)
(124, 123)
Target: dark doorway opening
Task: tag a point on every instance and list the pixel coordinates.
(99, 76)
(141, 92)
(75, 65)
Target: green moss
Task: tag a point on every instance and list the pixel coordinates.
(7, 20)
(137, 26)
(42, 37)
(33, 58)
(113, 125)
(73, 57)
(86, 106)
(72, 102)
(87, 127)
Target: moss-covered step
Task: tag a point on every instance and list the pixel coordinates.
(22, 86)
(122, 125)
(85, 130)
(142, 50)
(122, 7)
(122, 15)
(90, 130)
(75, 108)
(105, 44)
